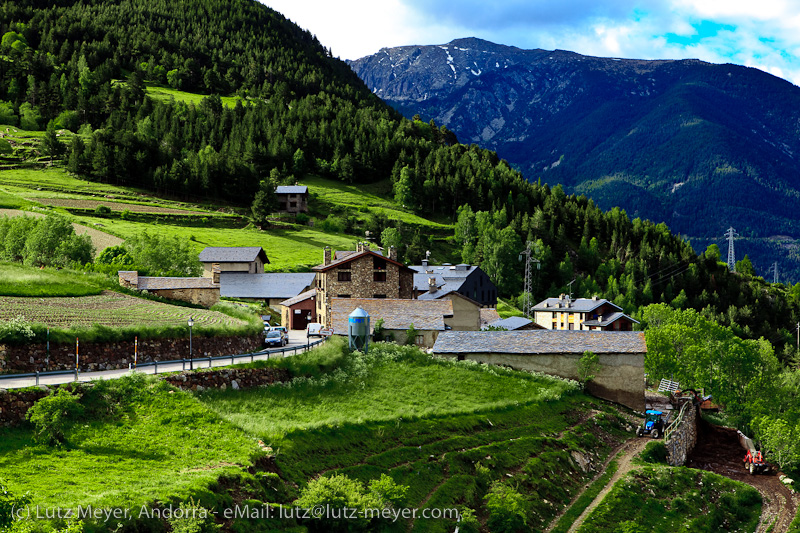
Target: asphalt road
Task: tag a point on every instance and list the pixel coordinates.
(297, 344)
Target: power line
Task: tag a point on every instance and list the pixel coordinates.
(730, 235)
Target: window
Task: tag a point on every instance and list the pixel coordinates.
(344, 275)
(282, 206)
(420, 340)
(293, 204)
(379, 296)
(379, 276)
(379, 263)
(343, 296)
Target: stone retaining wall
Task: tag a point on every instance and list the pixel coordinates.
(14, 404)
(113, 355)
(681, 442)
(235, 378)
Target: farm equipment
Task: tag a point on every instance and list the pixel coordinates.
(753, 460)
(653, 424)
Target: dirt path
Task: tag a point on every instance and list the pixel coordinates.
(718, 451)
(629, 450)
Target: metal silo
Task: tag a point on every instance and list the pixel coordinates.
(358, 330)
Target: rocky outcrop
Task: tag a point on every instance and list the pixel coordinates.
(113, 355)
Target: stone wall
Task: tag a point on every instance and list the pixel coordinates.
(15, 404)
(235, 378)
(112, 355)
(206, 297)
(619, 378)
(682, 440)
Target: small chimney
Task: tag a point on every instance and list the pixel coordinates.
(393, 253)
(561, 296)
(326, 256)
(595, 298)
(432, 283)
(365, 246)
(424, 263)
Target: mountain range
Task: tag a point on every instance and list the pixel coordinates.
(696, 145)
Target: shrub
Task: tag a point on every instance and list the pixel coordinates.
(338, 491)
(192, 518)
(302, 218)
(655, 452)
(102, 210)
(8, 503)
(378, 331)
(508, 509)
(53, 414)
(16, 331)
(587, 367)
(411, 335)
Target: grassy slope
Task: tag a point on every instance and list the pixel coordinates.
(662, 499)
(166, 445)
(19, 280)
(168, 94)
(391, 390)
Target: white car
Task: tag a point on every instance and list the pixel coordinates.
(314, 329)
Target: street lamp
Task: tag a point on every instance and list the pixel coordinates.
(191, 358)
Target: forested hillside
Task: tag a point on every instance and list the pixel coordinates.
(77, 66)
(696, 145)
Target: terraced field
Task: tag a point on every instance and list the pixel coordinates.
(114, 206)
(108, 309)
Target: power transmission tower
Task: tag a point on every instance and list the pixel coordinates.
(527, 291)
(730, 235)
(774, 270)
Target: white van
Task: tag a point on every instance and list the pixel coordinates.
(314, 329)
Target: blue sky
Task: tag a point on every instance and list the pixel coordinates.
(759, 33)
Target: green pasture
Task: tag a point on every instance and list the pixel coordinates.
(19, 280)
(168, 94)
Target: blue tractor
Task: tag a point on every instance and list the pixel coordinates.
(653, 424)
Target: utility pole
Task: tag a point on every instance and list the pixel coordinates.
(798, 336)
(527, 290)
(774, 270)
(730, 235)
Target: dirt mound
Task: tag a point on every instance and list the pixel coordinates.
(718, 450)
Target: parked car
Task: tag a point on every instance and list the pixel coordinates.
(275, 337)
(314, 329)
(280, 328)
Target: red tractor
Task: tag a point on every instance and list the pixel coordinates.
(753, 460)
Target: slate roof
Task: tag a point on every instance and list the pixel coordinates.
(291, 189)
(262, 286)
(488, 315)
(303, 296)
(608, 319)
(447, 284)
(511, 323)
(153, 284)
(539, 342)
(397, 314)
(577, 305)
(346, 258)
(234, 254)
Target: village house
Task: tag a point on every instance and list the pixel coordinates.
(429, 317)
(619, 376)
(514, 323)
(360, 274)
(292, 199)
(466, 311)
(248, 259)
(586, 314)
(300, 311)
(199, 291)
(467, 280)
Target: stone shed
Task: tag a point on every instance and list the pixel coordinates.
(620, 377)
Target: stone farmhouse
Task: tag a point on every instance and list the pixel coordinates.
(467, 280)
(619, 378)
(200, 291)
(292, 199)
(249, 259)
(586, 314)
(360, 274)
(429, 317)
